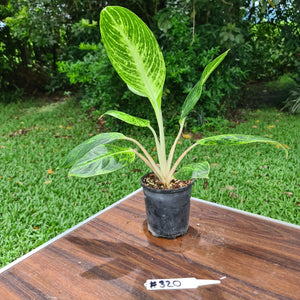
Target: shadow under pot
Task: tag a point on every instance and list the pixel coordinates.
(168, 211)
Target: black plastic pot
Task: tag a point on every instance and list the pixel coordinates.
(167, 211)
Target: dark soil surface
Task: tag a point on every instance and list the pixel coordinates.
(152, 181)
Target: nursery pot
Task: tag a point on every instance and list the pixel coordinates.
(167, 211)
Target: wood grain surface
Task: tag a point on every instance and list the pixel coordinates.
(112, 256)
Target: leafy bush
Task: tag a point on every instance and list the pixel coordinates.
(7, 49)
(186, 53)
(270, 55)
(292, 103)
(94, 74)
(87, 67)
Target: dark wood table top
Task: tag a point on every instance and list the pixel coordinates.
(111, 255)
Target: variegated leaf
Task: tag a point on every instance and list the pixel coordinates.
(195, 93)
(102, 160)
(237, 139)
(79, 151)
(128, 118)
(196, 170)
(135, 91)
(133, 52)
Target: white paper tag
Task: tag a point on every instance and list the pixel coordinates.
(177, 283)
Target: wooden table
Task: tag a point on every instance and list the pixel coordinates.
(111, 255)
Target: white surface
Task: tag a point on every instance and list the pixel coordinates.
(177, 283)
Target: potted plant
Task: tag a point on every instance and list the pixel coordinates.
(137, 58)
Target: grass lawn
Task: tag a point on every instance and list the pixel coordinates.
(38, 201)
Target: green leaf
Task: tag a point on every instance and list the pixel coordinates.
(128, 118)
(79, 151)
(102, 160)
(197, 170)
(237, 139)
(196, 91)
(133, 52)
(135, 91)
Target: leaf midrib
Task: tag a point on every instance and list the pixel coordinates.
(140, 67)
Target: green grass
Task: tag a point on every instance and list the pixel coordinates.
(38, 201)
(36, 206)
(258, 178)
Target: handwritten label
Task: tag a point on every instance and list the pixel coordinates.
(177, 283)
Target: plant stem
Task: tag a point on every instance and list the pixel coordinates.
(172, 151)
(151, 163)
(155, 137)
(171, 173)
(161, 151)
(146, 161)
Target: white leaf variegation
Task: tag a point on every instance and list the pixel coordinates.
(134, 52)
(128, 118)
(237, 139)
(196, 170)
(83, 148)
(135, 91)
(102, 160)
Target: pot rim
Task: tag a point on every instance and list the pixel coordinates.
(169, 191)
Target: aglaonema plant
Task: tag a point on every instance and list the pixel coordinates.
(137, 58)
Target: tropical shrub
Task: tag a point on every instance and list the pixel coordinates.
(94, 75)
(186, 53)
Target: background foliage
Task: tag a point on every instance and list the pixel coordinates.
(54, 45)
